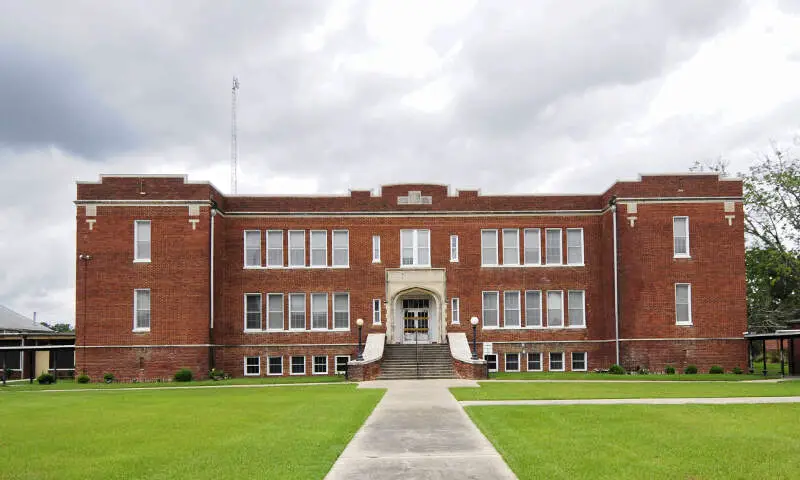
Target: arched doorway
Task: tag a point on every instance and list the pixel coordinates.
(416, 317)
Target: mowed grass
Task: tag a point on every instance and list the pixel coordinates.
(575, 390)
(73, 385)
(678, 377)
(653, 441)
(292, 432)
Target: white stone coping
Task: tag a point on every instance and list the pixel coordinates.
(373, 349)
(459, 348)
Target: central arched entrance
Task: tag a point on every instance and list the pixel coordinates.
(416, 317)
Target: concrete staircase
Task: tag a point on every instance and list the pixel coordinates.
(400, 361)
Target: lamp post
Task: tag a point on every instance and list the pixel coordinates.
(360, 323)
(474, 322)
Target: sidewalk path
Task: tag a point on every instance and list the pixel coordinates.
(419, 431)
(635, 401)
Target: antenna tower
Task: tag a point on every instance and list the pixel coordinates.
(234, 140)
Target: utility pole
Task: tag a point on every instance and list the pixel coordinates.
(234, 140)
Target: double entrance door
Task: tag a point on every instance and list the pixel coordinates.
(416, 328)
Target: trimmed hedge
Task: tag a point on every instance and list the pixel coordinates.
(183, 375)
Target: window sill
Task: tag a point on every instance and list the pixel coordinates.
(554, 370)
(297, 374)
(537, 265)
(253, 330)
(376, 261)
(340, 329)
(320, 373)
(539, 370)
(141, 330)
(682, 256)
(141, 260)
(275, 374)
(579, 370)
(252, 374)
(685, 324)
(415, 266)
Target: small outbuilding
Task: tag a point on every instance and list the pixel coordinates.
(788, 341)
(28, 349)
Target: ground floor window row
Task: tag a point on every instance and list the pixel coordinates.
(541, 309)
(295, 365)
(534, 361)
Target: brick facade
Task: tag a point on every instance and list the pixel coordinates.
(185, 331)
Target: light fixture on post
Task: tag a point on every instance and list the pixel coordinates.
(474, 321)
(360, 323)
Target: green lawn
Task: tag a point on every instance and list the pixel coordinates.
(567, 390)
(282, 433)
(653, 441)
(773, 372)
(70, 384)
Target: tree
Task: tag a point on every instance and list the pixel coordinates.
(59, 327)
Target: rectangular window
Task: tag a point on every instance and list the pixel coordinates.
(341, 311)
(553, 246)
(298, 366)
(415, 248)
(455, 311)
(141, 241)
(252, 311)
(555, 308)
(491, 362)
(575, 246)
(297, 311)
(341, 248)
(512, 362)
(319, 248)
(490, 307)
(319, 311)
(683, 304)
(252, 366)
(376, 311)
(576, 305)
(578, 361)
(141, 310)
(511, 247)
(275, 366)
(488, 247)
(535, 362)
(275, 248)
(275, 311)
(533, 308)
(297, 248)
(533, 246)
(680, 234)
(376, 249)
(252, 248)
(453, 248)
(341, 364)
(511, 309)
(320, 365)
(556, 361)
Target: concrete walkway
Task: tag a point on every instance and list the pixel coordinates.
(635, 401)
(419, 431)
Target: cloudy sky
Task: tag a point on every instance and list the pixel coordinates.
(512, 96)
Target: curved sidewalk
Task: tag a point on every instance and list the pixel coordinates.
(635, 401)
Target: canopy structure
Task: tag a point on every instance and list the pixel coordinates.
(790, 338)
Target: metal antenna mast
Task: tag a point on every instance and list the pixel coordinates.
(234, 141)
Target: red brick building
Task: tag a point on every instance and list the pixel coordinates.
(173, 273)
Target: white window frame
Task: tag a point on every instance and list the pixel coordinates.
(453, 248)
(581, 262)
(415, 235)
(312, 249)
(689, 298)
(518, 309)
(687, 254)
(336, 370)
(136, 310)
(291, 364)
(505, 362)
(455, 311)
(483, 309)
(333, 298)
(560, 246)
(283, 256)
(376, 249)
(246, 248)
(528, 362)
(487, 362)
(346, 248)
(563, 317)
(532, 261)
(515, 253)
(260, 312)
(283, 313)
(136, 224)
(269, 373)
(327, 312)
(314, 365)
(376, 311)
(550, 362)
(541, 318)
(484, 259)
(305, 312)
(567, 318)
(585, 362)
(257, 374)
(303, 233)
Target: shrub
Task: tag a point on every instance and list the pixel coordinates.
(616, 370)
(716, 369)
(46, 379)
(737, 371)
(643, 371)
(108, 377)
(669, 370)
(690, 370)
(82, 378)
(183, 375)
